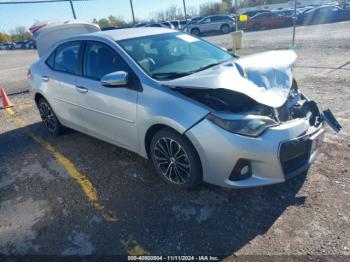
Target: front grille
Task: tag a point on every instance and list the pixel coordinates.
(294, 156)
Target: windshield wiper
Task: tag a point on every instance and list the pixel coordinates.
(172, 75)
(208, 66)
(169, 75)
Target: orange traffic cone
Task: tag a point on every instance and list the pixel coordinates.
(6, 103)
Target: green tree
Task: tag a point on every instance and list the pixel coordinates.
(111, 21)
(4, 38)
(103, 23)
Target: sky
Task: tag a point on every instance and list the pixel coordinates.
(12, 15)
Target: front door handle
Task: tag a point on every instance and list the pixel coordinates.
(45, 78)
(81, 89)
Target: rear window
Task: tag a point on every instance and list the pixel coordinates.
(51, 60)
(65, 58)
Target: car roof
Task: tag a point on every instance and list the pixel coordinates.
(127, 33)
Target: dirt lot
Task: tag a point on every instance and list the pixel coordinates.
(75, 195)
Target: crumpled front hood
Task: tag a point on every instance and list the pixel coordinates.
(265, 77)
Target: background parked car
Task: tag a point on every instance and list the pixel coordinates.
(325, 14)
(168, 24)
(267, 20)
(284, 12)
(154, 25)
(2, 46)
(255, 12)
(214, 23)
(195, 19)
(140, 24)
(26, 44)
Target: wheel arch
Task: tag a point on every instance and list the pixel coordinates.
(152, 130)
(224, 24)
(37, 97)
(196, 28)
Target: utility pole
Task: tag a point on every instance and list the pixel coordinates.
(236, 19)
(184, 3)
(132, 12)
(294, 22)
(71, 5)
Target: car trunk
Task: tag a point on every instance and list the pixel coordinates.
(48, 33)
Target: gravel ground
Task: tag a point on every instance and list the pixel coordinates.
(45, 210)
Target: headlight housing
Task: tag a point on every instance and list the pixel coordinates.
(249, 125)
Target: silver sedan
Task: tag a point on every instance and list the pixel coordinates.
(198, 112)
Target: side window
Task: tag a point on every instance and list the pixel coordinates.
(100, 60)
(67, 58)
(206, 21)
(51, 60)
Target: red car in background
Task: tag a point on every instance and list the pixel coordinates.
(267, 20)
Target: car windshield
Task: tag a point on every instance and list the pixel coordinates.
(173, 55)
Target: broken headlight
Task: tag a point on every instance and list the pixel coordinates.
(250, 125)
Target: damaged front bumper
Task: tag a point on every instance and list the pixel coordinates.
(280, 153)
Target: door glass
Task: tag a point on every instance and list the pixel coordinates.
(206, 21)
(67, 58)
(100, 60)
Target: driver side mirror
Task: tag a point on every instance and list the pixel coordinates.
(115, 79)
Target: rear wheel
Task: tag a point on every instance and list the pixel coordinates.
(195, 31)
(175, 159)
(288, 23)
(256, 26)
(49, 118)
(225, 29)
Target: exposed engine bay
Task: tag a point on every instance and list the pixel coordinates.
(223, 100)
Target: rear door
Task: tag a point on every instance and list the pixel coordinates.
(109, 113)
(206, 25)
(60, 80)
(216, 22)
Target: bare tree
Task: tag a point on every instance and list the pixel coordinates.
(20, 33)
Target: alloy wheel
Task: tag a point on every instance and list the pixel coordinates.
(172, 160)
(48, 117)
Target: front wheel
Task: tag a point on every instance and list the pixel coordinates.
(195, 31)
(175, 159)
(225, 29)
(49, 118)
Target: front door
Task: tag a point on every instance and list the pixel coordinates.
(108, 112)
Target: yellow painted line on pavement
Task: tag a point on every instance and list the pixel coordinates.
(10, 111)
(132, 247)
(84, 182)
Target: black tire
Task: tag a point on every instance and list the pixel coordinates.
(288, 23)
(195, 31)
(48, 116)
(225, 29)
(256, 27)
(175, 159)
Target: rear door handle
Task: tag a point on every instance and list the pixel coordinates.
(81, 89)
(45, 78)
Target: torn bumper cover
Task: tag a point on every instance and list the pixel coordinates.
(280, 153)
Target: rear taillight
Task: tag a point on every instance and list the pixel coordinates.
(29, 74)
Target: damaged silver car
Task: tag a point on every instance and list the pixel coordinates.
(198, 112)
